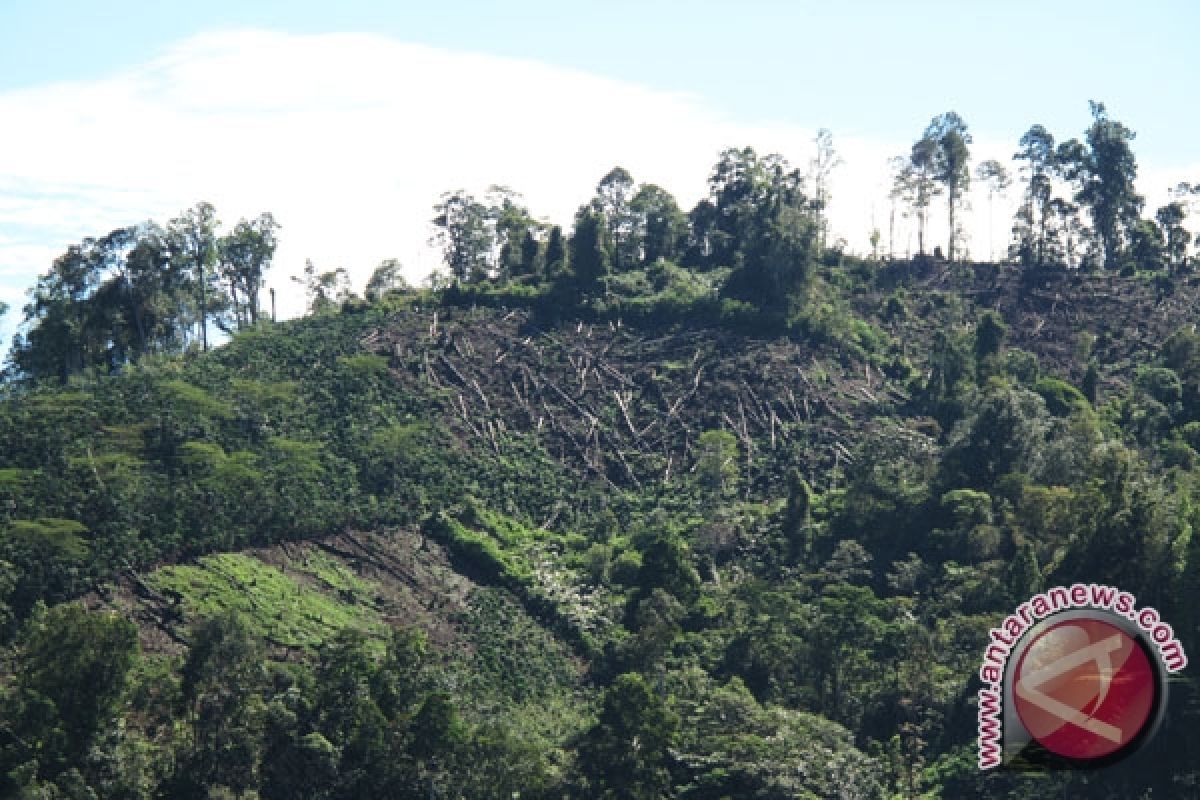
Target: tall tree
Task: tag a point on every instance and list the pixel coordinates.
(916, 184)
(531, 254)
(899, 192)
(763, 226)
(464, 235)
(159, 289)
(1033, 217)
(614, 196)
(1107, 172)
(590, 251)
(511, 223)
(951, 156)
(1177, 237)
(997, 179)
(822, 165)
(556, 255)
(701, 249)
(192, 237)
(245, 254)
(54, 343)
(746, 191)
(662, 226)
(1147, 246)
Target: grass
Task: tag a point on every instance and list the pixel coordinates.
(334, 574)
(284, 611)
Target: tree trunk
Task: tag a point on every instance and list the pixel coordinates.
(253, 305)
(892, 231)
(921, 232)
(203, 311)
(950, 244)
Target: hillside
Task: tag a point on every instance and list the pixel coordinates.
(549, 553)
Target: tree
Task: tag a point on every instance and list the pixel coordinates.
(72, 668)
(662, 225)
(192, 240)
(326, 291)
(1024, 575)
(748, 193)
(511, 224)
(993, 173)
(624, 755)
(667, 563)
(1147, 247)
(220, 690)
(735, 187)
(763, 226)
(916, 184)
(614, 196)
(899, 192)
(464, 235)
(989, 339)
(531, 255)
(159, 292)
(1107, 171)
(797, 517)
(1170, 219)
(1004, 434)
(701, 249)
(387, 277)
(55, 342)
(245, 255)
(950, 156)
(590, 252)
(555, 259)
(822, 165)
(103, 303)
(1033, 217)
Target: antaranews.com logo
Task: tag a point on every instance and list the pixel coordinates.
(1074, 678)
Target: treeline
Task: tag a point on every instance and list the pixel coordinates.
(144, 289)
(765, 221)
(758, 228)
(747, 251)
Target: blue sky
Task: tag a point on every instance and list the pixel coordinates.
(114, 112)
(868, 67)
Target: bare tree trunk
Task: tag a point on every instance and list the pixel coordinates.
(950, 244)
(203, 311)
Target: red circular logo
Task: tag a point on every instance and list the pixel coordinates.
(1084, 689)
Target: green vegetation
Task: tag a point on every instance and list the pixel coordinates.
(684, 504)
(279, 609)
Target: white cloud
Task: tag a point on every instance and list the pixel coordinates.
(349, 139)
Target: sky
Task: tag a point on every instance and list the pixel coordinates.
(347, 120)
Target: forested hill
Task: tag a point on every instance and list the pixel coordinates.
(763, 549)
(699, 509)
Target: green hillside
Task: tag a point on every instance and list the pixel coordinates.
(702, 516)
